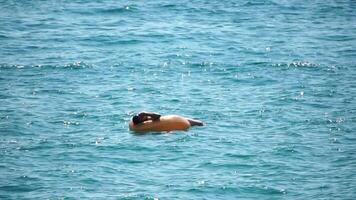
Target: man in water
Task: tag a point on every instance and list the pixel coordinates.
(149, 121)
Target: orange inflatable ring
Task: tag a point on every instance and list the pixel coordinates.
(165, 123)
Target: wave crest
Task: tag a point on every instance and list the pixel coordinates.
(74, 65)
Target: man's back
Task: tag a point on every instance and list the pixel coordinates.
(164, 123)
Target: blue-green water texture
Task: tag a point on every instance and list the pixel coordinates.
(274, 82)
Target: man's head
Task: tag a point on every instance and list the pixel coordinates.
(136, 119)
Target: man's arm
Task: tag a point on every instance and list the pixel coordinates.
(152, 115)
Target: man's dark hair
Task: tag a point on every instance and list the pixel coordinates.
(136, 119)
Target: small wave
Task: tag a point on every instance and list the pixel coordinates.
(95, 11)
(4, 36)
(123, 9)
(74, 65)
(305, 65)
(105, 40)
(169, 6)
(78, 65)
(6, 66)
(264, 189)
(18, 188)
(220, 164)
(241, 156)
(297, 64)
(285, 150)
(337, 38)
(259, 3)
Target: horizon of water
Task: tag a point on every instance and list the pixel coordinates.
(273, 81)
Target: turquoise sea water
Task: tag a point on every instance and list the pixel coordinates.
(273, 80)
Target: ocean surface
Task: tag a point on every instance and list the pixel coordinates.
(273, 80)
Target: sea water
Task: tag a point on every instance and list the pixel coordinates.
(274, 82)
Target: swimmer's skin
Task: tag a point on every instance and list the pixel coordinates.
(155, 122)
